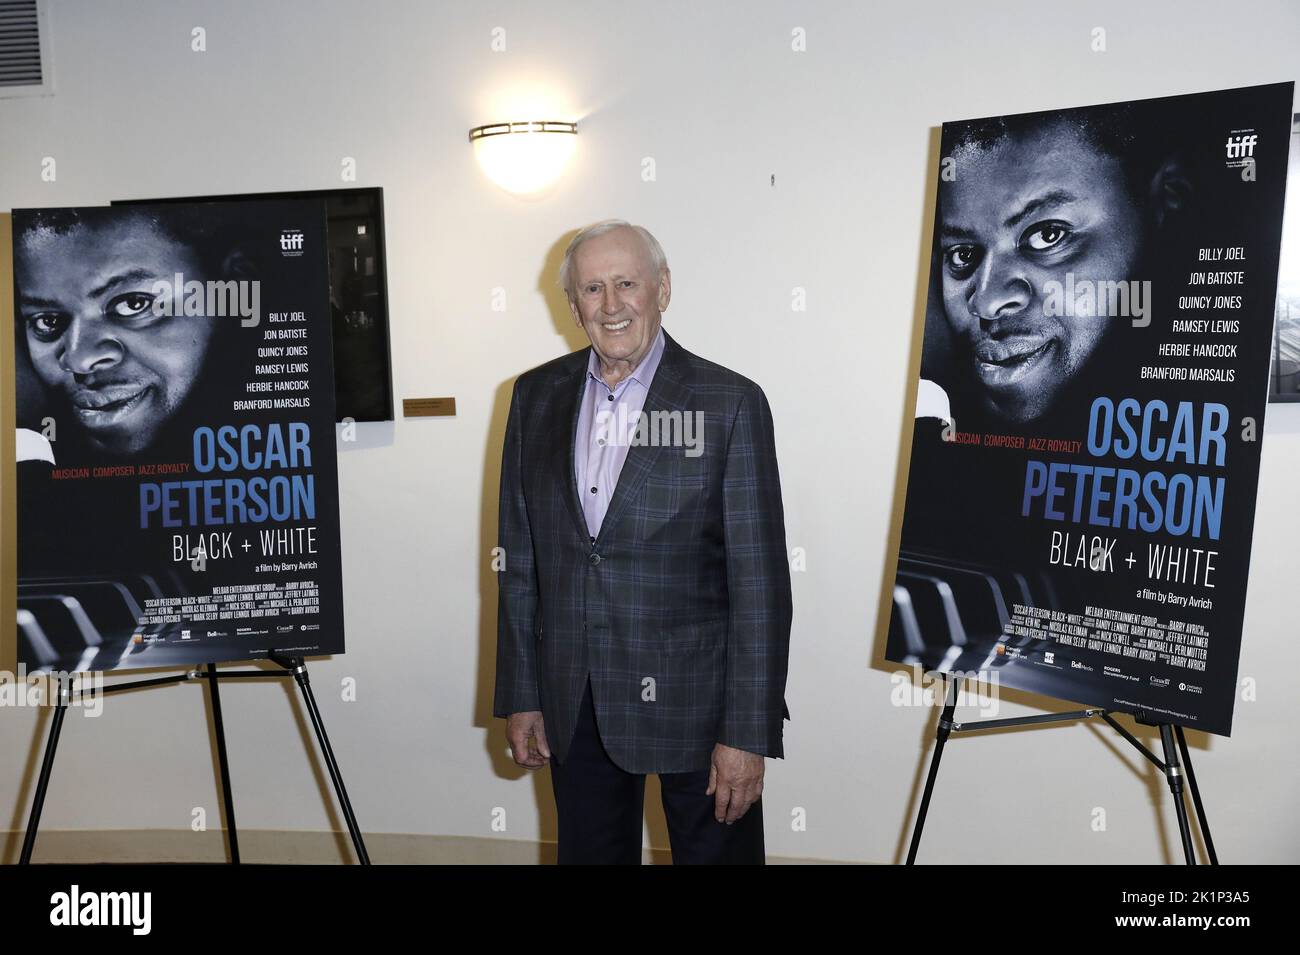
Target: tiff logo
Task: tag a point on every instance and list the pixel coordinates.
(72, 908)
(1241, 147)
(291, 241)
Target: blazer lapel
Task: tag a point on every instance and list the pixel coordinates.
(569, 391)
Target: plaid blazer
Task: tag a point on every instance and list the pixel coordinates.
(680, 610)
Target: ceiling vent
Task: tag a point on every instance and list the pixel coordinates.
(24, 49)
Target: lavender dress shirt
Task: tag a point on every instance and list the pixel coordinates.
(607, 420)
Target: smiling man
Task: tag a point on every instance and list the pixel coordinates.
(644, 613)
(1036, 203)
(113, 371)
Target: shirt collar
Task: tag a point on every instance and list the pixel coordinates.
(642, 374)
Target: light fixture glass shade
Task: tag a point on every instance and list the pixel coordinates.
(524, 158)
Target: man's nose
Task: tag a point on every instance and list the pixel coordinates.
(610, 303)
(1002, 288)
(89, 346)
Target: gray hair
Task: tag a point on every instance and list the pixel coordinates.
(657, 257)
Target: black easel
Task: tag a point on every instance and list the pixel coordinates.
(1169, 765)
(291, 666)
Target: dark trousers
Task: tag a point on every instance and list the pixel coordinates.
(600, 809)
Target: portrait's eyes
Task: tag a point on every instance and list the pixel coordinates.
(1045, 235)
(626, 283)
(960, 259)
(129, 304)
(47, 326)
(592, 289)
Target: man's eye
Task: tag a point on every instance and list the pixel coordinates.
(47, 326)
(129, 304)
(593, 288)
(626, 283)
(1045, 236)
(961, 257)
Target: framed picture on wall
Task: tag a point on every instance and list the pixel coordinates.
(1284, 377)
(358, 293)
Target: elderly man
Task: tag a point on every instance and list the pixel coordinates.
(645, 605)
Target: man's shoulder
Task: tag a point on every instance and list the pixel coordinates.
(706, 374)
(553, 371)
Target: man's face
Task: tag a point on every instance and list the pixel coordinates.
(85, 300)
(1019, 214)
(618, 297)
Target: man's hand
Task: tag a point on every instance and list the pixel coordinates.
(523, 729)
(735, 782)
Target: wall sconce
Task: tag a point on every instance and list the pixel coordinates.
(524, 158)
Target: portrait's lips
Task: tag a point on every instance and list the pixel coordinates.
(1005, 362)
(616, 327)
(108, 405)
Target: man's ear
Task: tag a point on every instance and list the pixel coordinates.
(237, 265)
(665, 289)
(1170, 190)
(577, 316)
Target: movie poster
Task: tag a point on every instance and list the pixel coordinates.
(176, 477)
(1094, 376)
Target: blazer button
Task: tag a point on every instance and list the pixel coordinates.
(594, 559)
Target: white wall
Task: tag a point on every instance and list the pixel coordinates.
(714, 93)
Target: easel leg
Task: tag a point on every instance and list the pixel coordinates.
(1196, 796)
(227, 800)
(941, 737)
(298, 667)
(1175, 777)
(43, 781)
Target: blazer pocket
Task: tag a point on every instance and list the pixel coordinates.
(692, 637)
(683, 481)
